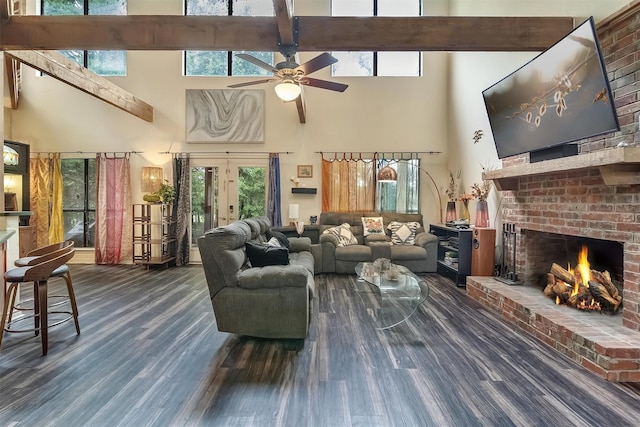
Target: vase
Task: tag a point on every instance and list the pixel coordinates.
(482, 214)
(451, 212)
(464, 214)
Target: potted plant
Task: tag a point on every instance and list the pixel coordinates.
(166, 194)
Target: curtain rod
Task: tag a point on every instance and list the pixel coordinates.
(358, 154)
(376, 152)
(226, 152)
(86, 152)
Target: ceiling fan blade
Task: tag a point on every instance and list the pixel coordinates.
(323, 84)
(257, 62)
(255, 82)
(320, 61)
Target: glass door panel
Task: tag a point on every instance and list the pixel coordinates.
(223, 191)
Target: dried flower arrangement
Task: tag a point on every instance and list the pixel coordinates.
(465, 197)
(481, 191)
(451, 190)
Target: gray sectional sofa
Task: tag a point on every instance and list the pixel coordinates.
(420, 257)
(272, 301)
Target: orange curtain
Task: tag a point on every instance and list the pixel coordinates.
(46, 189)
(40, 182)
(56, 226)
(348, 185)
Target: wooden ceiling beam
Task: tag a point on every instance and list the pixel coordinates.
(429, 33)
(12, 68)
(59, 67)
(316, 33)
(284, 18)
(4, 10)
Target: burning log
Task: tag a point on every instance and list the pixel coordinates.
(562, 274)
(600, 294)
(588, 289)
(551, 281)
(605, 279)
(556, 287)
(575, 299)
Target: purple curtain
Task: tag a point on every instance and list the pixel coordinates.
(273, 199)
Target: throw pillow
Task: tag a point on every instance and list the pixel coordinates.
(274, 242)
(262, 255)
(403, 233)
(343, 234)
(372, 225)
(284, 241)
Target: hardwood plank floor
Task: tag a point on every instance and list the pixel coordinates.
(149, 355)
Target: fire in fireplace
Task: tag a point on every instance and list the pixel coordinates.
(582, 287)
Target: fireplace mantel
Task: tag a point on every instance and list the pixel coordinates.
(618, 166)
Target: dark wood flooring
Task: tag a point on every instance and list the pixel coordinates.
(149, 355)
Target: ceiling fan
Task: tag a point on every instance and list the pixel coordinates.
(291, 75)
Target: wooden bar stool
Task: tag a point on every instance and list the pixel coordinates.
(62, 271)
(38, 271)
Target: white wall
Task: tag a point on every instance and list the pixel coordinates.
(436, 112)
(373, 114)
(472, 72)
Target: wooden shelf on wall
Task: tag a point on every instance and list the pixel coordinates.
(618, 166)
(304, 190)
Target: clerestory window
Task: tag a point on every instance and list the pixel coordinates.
(376, 63)
(101, 62)
(226, 63)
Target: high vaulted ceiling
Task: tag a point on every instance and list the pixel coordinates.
(307, 33)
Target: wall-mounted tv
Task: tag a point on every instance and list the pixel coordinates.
(560, 96)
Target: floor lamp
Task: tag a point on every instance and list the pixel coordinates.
(389, 174)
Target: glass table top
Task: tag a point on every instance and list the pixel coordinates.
(400, 292)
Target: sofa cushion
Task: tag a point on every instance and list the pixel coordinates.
(262, 255)
(403, 233)
(284, 242)
(407, 252)
(354, 253)
(343, 234)
(372, 225)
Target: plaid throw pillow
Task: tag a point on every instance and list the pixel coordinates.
(403, 233)
(343, 234)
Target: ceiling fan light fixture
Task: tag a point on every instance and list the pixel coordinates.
(288, 90)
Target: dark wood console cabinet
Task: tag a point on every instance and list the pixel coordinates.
(457, 241)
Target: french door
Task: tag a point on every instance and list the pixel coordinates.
(224, 190)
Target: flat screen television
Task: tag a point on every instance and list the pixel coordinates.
(560, 96)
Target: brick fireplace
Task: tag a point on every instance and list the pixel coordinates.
(594, 195)
(558, 205)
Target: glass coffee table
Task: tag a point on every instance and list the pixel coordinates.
(401, 292)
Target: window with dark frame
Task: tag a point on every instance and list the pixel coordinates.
(368, 64)
(101, 62)
(79, 201)
(226, 63)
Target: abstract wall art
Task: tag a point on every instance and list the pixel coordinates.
(225, 115)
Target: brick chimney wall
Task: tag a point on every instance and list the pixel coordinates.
(578, 203)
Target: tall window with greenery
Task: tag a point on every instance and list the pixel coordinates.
(101, 62)
(376, 63)
(79, 201)
(225, 63)
(252, 191)
(403, 194)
